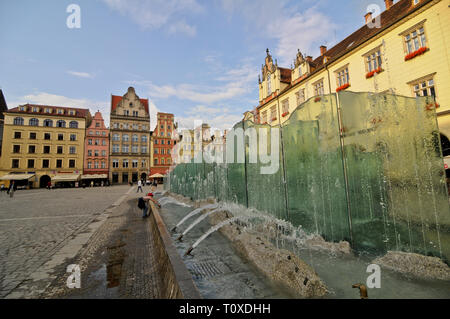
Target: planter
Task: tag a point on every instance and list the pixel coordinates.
(343, 87)
(317, 99)
(372, 73)
(432, 106)
(418, 52)
(284, 114)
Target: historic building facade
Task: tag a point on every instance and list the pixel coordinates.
(129, 158)
(96, 149)
(43, 143)
(162, 143)
(407, 55)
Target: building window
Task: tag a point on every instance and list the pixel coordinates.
(17, 135)
(162, 161)
(126, 112)
(46, 149)
(18, 121)
(89, 164)
(103, 153)
(115, 163)
(424, 88)
(15, 163)
(115, 148)
(33, 122)
(61, 123)
(90, 141)
(73, 137)
(73, 124)
(161, 134)
(156, 161)
(318, 88)
(134, 149)
(16, 149)
(103, 133)
(414, 40)
(125, 148)
(30, 163)
(89, 152)
(97, 133)
(60, 111)
(273, 113)
(72, 150)
(300, 96)
(143, 164)
(104, 142)
(144, 149)
(72, 163)
(47, 136)
(97, 124)
(125, 138)
(144, 139)
(103, 164)
(135, 113)
(32, 136)
(59, 150)
(116, 125)
(264, 117)
(156, 151)
(59, 163)
(48, 123)
(285, 106)
(135, 138)
(156, 142)
(269, 85)
(125, 163)
(96, 165)
(342, 77)
(373, 61)
(135, 164)
(45, 163)
(60, 137)
(31, 149)
(116, 137)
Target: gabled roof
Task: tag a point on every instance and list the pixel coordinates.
(116, 99)
(285, 75)
(82, 113)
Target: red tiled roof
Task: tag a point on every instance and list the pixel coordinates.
(84, 113)
(388, 17)
(285, 75)
(116, 99)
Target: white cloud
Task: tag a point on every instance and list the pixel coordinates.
(44, 98)
(156, 14)
(81, 74)
(291, 26)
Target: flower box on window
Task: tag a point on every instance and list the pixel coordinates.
(317, 99)
(265, 123)
(343, 87)
(284, 114)
(372, 73)
(418, 52)
(274, 119)
(432, 106)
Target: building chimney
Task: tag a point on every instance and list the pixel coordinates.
(368, 17)
(323, 49)
(389, 4)
(309, 58)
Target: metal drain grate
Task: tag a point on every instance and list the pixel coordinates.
(205, 269)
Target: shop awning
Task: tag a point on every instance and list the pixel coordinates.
(157, 175)
(94, 176)
(16, 177)
(66, 178)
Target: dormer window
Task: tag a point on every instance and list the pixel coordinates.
(48, 110)
(416, 2)
(60, 111)
(35, 109)
(72, 112)
(22, 108)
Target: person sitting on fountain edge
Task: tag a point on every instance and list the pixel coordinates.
(147, 208)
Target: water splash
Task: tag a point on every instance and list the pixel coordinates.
(170, 200)
(193, 213)
(198, 220)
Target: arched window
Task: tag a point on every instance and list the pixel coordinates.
(125, 137)
(33, 122)
(73, 124)
(61, 123)
(18, 121)
(135, 138)
(48, 123)
(116, 137)
(144, 139)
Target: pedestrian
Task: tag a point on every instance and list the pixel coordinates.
(139, 186)
(92, 183)
(49, 185)
(12, 188)
(147, 208)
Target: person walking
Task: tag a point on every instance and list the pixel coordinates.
(49, 185)
(139, 186)
(11, 189)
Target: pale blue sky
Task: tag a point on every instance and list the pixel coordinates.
(196, 59)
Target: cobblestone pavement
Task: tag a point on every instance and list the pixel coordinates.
(37, 224)
(117, 261)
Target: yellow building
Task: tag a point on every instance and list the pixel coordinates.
(43, 143)
(407, 53)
